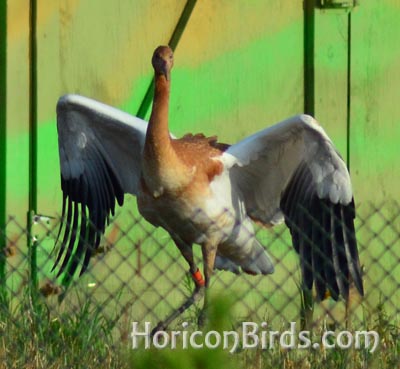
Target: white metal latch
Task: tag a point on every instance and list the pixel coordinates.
(40, 218)
(44, 221)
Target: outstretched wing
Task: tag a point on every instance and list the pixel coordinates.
(100, 151)
(292, 172)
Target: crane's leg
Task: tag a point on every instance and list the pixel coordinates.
(187, 252)
(209, 253)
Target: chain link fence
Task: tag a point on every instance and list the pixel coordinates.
(138, 274)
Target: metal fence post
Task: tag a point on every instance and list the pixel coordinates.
(306, 312)
(32, 244)
(3, 161)
(309, 44)
(348, 88)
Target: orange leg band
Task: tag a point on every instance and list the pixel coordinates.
(198, 278)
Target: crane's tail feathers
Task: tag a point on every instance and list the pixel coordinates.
(223, 263)
(259, 262)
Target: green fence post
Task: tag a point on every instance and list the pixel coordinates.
(307, 304)
(309, 45)
(3, 162)
(32, 244)
(348, 88)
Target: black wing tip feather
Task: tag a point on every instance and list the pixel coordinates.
(81, 237)
(95, 190)
(324, 236)
(340, 240)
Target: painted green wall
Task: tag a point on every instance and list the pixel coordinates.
(239, 68)
(375, 117)
(237, 65)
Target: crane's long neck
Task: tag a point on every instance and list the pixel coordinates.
(158, 136)
(162, 168)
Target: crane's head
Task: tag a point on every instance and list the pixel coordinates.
(163, 60)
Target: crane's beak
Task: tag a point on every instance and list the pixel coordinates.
(166, 72)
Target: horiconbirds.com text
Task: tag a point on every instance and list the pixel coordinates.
(251, 335)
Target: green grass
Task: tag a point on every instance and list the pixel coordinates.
(32, 337)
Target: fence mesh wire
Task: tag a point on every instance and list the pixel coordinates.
(138, 274)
